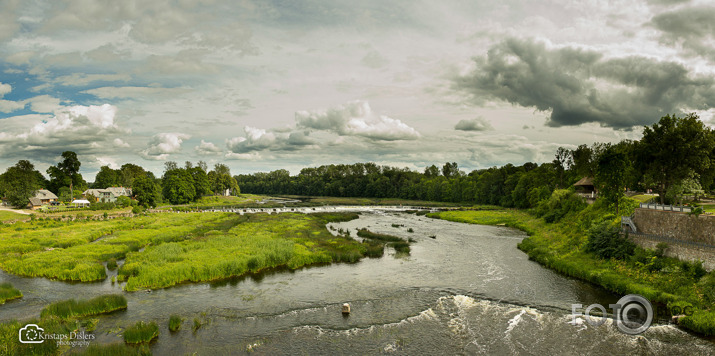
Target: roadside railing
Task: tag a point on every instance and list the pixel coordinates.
(655, 206)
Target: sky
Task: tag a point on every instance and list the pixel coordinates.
(283, 84)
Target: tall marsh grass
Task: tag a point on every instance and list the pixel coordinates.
(8, 292)
(141, 332)
(77, 309)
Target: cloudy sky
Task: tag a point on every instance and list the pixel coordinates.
(262, 85)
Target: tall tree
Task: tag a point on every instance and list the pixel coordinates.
(20, 182)
(450, 170)
(107, 177)
(66, 173)
(673, 149)
(146, 191)
(611, 174)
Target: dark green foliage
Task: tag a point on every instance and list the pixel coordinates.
(146, 191)
(197, 324)
(8, 292)
(137, 210)
(112, 264)
(107, 177)
(336, 217)
(707, 285)
(695, 269)
(611, 174)
(19, 183)
(101, 206)
(561, 202)
(175, 322)
(76, 309)
(178, 186)
(400, 246)
(141, 332)
(606, 242)
(375, 249)
(375, 236)
(66, 173)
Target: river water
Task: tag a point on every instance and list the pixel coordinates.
(467, 291)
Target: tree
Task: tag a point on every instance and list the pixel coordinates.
(66, 173)
(178, 186)
(450, 170)
(146, 191)
(129, 172)
(220, 180)
(431, 171)
(611, 173)
(562, 162)
(20, 183)
(673, 148)
(107, 177)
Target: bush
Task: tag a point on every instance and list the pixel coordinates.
(123, 202)
(141, 332)
(137, 209)
(175, 322)
(606, 242)
(561, 202)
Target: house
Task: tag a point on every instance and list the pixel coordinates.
(42, 197)
(585, 188)
(108, 195)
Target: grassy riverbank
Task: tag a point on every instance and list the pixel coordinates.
(8, 292)
(562, 246)
(177, 248)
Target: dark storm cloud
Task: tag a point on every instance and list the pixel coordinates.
(693, 28)
(580, 86)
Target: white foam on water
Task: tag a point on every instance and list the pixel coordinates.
(513, 322)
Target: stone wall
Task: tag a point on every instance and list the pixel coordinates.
(680, 226)
(681, 252)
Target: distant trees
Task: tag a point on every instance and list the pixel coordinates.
(611, 174)
(220, 180)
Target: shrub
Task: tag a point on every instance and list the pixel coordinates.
(137, 209)
(141, 332)
(175, 322)
(605, 242)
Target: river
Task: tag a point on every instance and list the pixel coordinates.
(469, 290)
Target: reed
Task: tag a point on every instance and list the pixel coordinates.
(8, 292)
(175, 322)
(141, 332)
(77, 309)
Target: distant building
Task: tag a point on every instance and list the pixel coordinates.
(42, 197)
(108, 195)
(585, 188)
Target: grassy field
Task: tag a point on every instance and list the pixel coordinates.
(6, 215)
(177, 248)
(561, 246)
(239, 245)
(77, 309)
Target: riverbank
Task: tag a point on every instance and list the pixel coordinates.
(562, 246)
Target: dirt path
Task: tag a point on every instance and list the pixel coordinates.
(19, 211)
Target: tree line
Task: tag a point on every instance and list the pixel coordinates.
(178, 185)
(673, 158)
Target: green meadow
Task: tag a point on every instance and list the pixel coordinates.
(562, 246)
(165, 249)
(8, 292)
(6, 215)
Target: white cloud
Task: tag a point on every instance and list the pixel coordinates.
(255, 140)
(118, 142)
(4, 89)
(207, 148)
(356, 118)
(164, 144)
(45, 104)
(107, 161)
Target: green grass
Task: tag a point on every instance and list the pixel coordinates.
(78, 309)
(175, 322)
(395, 242)
(9, 331)
(6, 215)
(8, 292)
(141, 332)
(561, 246)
